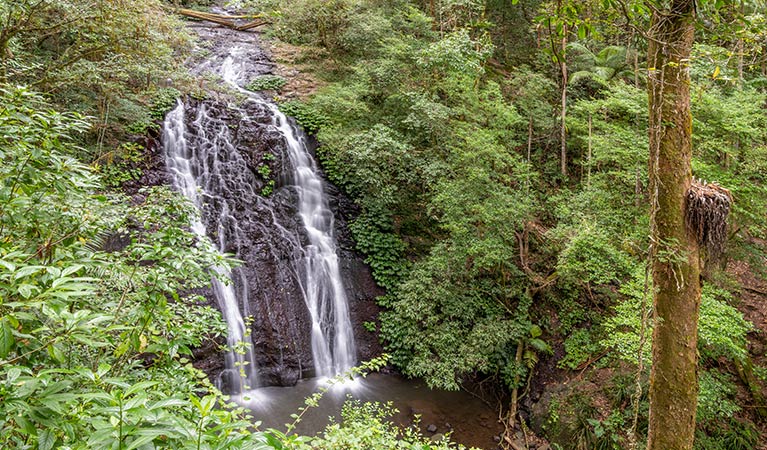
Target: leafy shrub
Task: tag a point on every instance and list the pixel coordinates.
(267, 83)
(122, 165)
(590, 258)
(306, 115)
(734, 434)
(342, 27)
(368, 425)
(579, 347)
(163, 101)
(383, 250)
(716, 397)
(91, 357)
(721, 328)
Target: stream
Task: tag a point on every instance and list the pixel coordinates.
(295, 307)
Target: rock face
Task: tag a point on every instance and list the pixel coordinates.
(255, 208)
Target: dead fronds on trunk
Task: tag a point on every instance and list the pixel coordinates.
(708, 206)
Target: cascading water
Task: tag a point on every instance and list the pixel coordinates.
(194, 169)
(332, 337)
(205, 164)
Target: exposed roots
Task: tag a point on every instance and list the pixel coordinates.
(706, 211)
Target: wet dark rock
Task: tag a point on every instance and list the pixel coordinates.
(208, 358)
(153, 171)
(116, 242)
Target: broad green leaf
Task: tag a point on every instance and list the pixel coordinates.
(45, 440)
(168, 402)
(146, 438)
(27, 271)
(140, 387)
(25, 290)
(6, 338)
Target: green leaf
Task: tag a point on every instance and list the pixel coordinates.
(45, 440)
(152, 434)
(27, 271)
(56, 353)
(140, 387)
(71, 269)
(168, 402)
(25, 290)
(6, 338)
(8, 265)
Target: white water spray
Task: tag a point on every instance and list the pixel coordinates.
(192, 170)
(324, 292)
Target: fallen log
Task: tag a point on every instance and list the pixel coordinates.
(251, 25)
(215, 18)
(227, 21)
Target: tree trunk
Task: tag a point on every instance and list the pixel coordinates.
(588, 158)
(563, 127)
(514, 404)
(529, 137)
(675, 253)
(739, 49)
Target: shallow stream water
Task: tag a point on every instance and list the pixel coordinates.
(471, 421)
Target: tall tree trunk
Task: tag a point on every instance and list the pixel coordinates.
(588, 158)
(675, 253)
(740, 50)
(563, 126)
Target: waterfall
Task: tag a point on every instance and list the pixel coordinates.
(198, 169)
(324, 292)
(202, 166)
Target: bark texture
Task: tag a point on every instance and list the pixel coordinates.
(563, 109)
(675, 253)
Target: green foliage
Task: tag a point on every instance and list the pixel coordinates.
(383, 249)
(163, 100)
(607, 64)
(266, 173)
(733, 435)
(571, 424)
(341, 27)
(456, 53)
(579, 347)
(721, 329)
(121, 165)
(590, 258)
(368, 425)
(91, 341)
(716, 397)
(463, 215)
(307, 116)
(264, 170)
(267, 83)
(730, 144)
(267, 190)
(103, 59)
